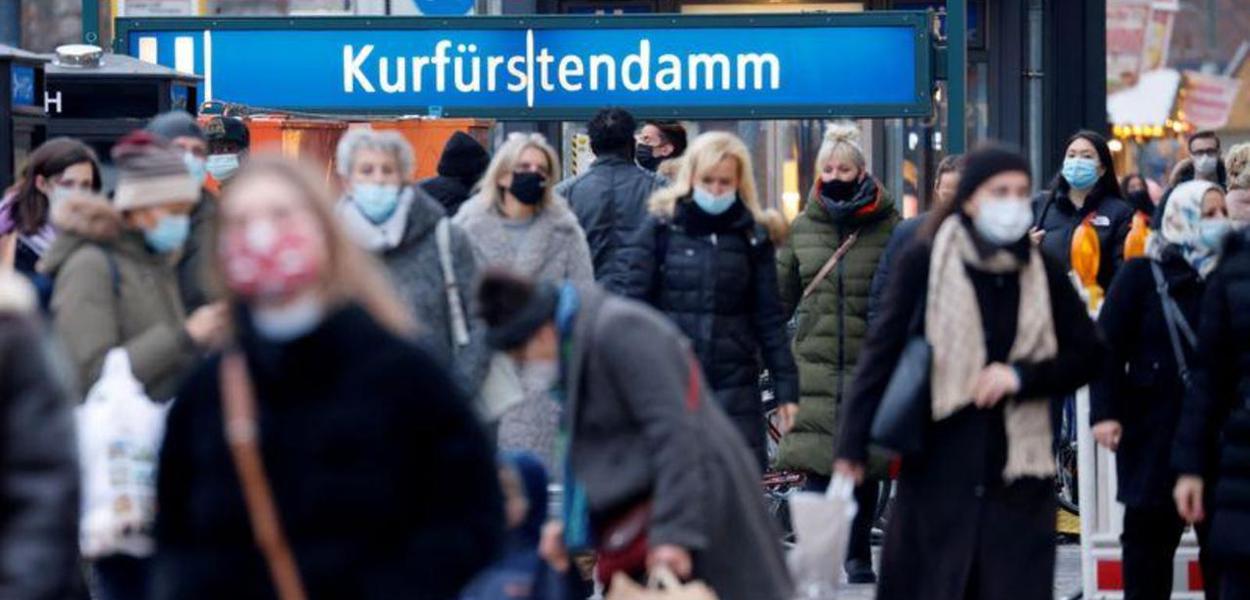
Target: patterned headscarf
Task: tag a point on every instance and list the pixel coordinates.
(1180, 229)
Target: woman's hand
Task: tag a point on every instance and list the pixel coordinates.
(207, 325)
(1107, 433)
(849, 468)
(551, 547)
(676, 558)
(786, 414)
(996, 381)
(1188, 494)
(1036, 235)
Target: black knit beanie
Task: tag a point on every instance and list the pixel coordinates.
(984, 163)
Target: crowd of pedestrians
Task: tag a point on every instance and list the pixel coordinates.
(371, 395)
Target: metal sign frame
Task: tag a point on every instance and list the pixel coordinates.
(918, 21)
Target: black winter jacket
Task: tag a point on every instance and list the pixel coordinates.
(956, 524)
(38, 462)
(385, 485)
(610, 201)
(1141, 386)
(716, 278)
(1213, 438)
(1055, 213)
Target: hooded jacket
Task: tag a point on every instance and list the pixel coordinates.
(1055, 213)
(610, 201)
(415, 270)
(462, 163)
(832, 323)
(110, 290)
(38, 460)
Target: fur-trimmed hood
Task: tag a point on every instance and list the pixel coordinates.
(81, 221)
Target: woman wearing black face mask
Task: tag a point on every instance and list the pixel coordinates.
(974, 517)
(517, 222)
(846, 226)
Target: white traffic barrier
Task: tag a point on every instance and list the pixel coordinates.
(1102, 520)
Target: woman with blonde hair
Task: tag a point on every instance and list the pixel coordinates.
(322, 388)
(704, 258)
(516, 221)
(826, 272)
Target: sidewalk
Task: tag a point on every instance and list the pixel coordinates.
(1067, 576)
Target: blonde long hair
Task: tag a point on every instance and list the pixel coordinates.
(505, 159)
(705, 152)
(351, 275)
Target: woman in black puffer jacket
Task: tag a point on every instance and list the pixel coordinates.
(705, 259)
(1212, 451)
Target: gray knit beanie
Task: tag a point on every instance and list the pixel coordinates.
(150, 173)
(175, 124)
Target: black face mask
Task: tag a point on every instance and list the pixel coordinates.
(646, 158)
(838, 190)
(1141, 201)
(528, 187)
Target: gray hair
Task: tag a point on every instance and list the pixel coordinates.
(390, 142)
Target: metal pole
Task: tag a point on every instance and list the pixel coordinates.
(91, 22)
(11, 23)
(956, 75)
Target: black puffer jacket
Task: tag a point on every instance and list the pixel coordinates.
(610, 201)
(1141, 385)
(716, 278)
(1054, 212)
(1213, 437)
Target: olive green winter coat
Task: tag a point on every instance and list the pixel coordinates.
(133, 303)
(831, 323)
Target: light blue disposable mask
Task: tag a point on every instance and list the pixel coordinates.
(222, 166)
(196, 166)
(712, 204)
(170, 233)
(377, 202)
(285, 323)
(1080, 173)
(1213, 232)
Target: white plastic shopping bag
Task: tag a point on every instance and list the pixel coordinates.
(822, 528)
(119, 437)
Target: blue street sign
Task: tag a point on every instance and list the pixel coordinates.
(444, 7)
(22, 84)
(557, 67)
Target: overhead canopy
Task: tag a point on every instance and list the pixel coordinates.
(1147, 104)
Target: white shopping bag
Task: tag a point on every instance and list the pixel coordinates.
(501, 390)
(119, 437)
(822, 528)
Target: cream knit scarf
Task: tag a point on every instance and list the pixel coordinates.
(953, 326)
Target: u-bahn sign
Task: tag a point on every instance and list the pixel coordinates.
(559, 67)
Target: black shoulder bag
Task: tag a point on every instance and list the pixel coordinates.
(904, 411)
(1177, 326)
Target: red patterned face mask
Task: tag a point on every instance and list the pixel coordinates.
(268, 262)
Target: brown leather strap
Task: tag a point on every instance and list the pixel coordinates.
(830, 264)
(239, 419)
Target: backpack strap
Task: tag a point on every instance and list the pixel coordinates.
(455, 308)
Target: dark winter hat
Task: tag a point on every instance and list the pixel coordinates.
(463, 158)
(175, 124)
(984, 163)
(150, 173)
(227, 129)
(524, 316)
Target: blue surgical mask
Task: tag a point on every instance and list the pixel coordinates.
(376, 202)
(1213, 232)
(285, 323)
(222, 166)
(712, 204)
(170, 233)
(196, 166)
(1080, 173)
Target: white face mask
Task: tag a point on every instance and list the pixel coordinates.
(1205, 165)
(1004, 221)
(285, 323)
(59, 195)
(222, 166)
(539, 375)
